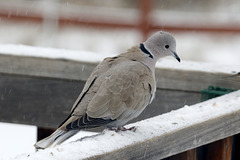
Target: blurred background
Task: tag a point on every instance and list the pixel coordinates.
(206, 31)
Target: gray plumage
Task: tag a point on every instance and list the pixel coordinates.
(117, 91)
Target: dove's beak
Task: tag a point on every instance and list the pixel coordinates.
(176, 56)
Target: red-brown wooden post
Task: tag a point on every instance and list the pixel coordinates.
(188, 155)
(144, 24)
(220, 150)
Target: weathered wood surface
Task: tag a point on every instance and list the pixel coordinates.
(219, 150)
(159, 137)
(185, 139)
(177, 142)
(177, 78)
(196, 80)
(46, 102)
(46, 67)
(36, 101)
(187, 155)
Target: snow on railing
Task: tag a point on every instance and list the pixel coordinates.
(157, 137)
(77, 65)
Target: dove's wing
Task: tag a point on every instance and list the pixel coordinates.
(90, 88)
(125, 90)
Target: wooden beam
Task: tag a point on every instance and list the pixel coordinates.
(168, 145)
(197, 28)
(186, 76)
(159, 137)
(124, 25)
(145, 25)
(46, 67)
(46, 102)
(42, 102)
(196, 80)
(185, 138)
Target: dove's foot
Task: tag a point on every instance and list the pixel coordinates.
(123, 129)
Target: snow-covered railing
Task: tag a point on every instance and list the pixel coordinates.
(77, 65)
(39, 85)
(158, 137)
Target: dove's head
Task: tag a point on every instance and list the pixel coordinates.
(161, 44)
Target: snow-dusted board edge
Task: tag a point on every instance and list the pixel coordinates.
(158, 137)
(77, 65)
(47, 62)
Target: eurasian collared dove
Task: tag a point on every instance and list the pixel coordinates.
(117, 91)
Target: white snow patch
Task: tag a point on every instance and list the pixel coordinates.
(146, 129)
(173, 64)
(92, 57)
(53, 53)
(12, 136)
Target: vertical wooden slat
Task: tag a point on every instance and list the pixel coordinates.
(188, 155)
(219, 150)
(192, 154)
(144, 24)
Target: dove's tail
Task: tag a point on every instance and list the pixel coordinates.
(55, 138)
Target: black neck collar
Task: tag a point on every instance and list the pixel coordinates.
(142, 47)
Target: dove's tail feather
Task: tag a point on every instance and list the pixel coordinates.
(55, 138)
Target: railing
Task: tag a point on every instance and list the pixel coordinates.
(163, 136)
(38, 87)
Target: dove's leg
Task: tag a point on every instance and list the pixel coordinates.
(122, 128)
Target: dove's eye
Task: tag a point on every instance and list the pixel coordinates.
(167, 46)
